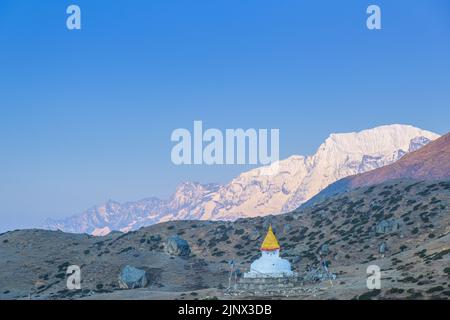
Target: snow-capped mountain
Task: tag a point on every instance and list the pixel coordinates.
(256, 193)
(430, 163)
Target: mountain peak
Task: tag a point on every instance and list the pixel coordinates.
(432, 162)
(257, 193)
(426, 161)
(379, 139)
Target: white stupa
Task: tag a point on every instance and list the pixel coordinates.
(270, 264)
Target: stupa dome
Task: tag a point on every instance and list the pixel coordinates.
(270, 264)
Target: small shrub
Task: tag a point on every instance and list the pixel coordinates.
(435, 289)
(369, 295)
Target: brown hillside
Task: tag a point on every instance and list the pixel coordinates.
(431, 162)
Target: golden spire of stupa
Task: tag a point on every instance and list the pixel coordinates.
(270, 242)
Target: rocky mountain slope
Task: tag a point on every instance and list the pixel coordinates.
(401, 226)
(256, 192)
(431, 162)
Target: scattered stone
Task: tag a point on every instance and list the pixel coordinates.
(387, 226)
(132, 278)
(177, 246)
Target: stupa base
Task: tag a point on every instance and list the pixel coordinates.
(268, 284)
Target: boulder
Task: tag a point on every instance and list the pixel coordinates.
(387, 226)
(176, 246)
(132, 278)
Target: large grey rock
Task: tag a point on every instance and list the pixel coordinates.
(387, 226)
(176, 246)
(132, 278)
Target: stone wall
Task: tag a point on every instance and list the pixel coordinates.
(268, 286)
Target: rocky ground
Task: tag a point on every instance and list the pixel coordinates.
(402, 226)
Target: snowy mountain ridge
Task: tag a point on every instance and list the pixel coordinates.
(255, 193)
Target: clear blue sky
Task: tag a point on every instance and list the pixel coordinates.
(86, 116)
